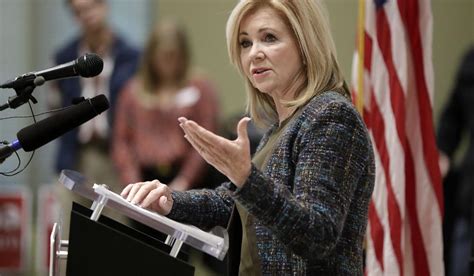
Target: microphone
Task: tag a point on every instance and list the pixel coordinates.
(44, 131)
(88, 65)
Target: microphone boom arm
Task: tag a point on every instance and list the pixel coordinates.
(24, 91)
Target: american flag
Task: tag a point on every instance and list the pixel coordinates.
(393, 87)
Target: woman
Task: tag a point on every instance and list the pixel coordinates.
(303, 197)
(148, 143)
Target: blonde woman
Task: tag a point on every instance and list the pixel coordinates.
(303, 197)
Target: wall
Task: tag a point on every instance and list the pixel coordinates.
(453, 34)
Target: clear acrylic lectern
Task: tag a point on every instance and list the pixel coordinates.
(97, 244)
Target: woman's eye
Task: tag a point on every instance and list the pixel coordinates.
(270, 38)
(245, 43)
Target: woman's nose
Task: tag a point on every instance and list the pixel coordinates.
(256, 52)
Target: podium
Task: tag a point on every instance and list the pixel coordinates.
(99, 245)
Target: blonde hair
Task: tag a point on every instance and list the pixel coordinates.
(310, 25)
(165, 32)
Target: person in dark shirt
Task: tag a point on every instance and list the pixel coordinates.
(86, 148)
(91, 140)
(456, 122)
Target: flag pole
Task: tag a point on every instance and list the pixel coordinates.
(360, 63)
(360, 73)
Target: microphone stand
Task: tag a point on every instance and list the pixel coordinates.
(23, 92)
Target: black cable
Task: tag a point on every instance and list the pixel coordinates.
(32, 112)
(16, 171)
(4, 142)
(29, 161)
(33, 115)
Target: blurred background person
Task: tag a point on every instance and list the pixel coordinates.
(457, 121)
(148, 143)
(86, 148)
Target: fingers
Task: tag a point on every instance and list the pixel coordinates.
(200, 148)
(201, 139)
(142, 192)
(134, 190)
(232, 158)
(201, 144)
(242, 133)
(194, 130)
(211, 152)
(159, 199)
(182, 120)
(126, 190)
(152, 197)
(151, 194)
(135, 193)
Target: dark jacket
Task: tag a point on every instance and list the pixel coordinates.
(125, 64)
(456, 121)
(310, 202)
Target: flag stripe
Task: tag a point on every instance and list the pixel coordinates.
(377, 233)
(394, 216)
(397, 110)
(427, 211)
(371, 261)
(421, 264)
(426, 147)
(429, 146)
(398, 106)
(385, 176)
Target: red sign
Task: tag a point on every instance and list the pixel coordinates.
(48, 214)
(13, 229)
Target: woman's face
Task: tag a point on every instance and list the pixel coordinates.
(269, 53)
(169, 63)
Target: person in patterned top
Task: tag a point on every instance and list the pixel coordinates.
(303, 197)
(148, 143)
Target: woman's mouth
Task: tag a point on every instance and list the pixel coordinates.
(259, 71)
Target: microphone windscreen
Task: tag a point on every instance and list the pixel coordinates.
(89, 65)
(44, 131)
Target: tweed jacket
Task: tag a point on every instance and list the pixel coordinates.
(310, 201)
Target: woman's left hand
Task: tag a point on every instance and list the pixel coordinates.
(231, 158)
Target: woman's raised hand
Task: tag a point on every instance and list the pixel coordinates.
(230, 157)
